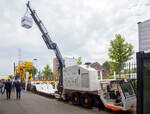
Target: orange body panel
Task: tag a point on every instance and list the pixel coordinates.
(113, 108)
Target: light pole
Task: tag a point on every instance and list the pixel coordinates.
(35, 66)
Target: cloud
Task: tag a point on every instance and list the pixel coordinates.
(79, 27)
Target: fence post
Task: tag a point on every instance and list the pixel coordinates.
(114, 75)
(101, 75)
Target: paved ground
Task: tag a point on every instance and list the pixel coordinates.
(36, 104)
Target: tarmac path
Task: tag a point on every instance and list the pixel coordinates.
(36, 104)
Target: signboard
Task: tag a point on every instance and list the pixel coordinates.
(144, 35)
(28, 65)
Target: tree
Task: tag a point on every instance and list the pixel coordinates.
(106, 65)
(112, 69)
(39, 74)
(32, 71)
(120, 52)
(79, 62)
(58, 72)
(47, 71)
(109, 66)
(10, 76)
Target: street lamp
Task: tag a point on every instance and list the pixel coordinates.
(35, 65)
(34, 59)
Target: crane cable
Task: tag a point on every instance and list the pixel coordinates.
(26, 11)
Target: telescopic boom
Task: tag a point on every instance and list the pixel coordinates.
(50, 45)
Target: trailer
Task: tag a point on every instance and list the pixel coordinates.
(43, 87)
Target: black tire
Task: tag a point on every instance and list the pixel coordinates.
(86, 100)
(66, 98)
(75, 98)
(34, 89)
(97, 101)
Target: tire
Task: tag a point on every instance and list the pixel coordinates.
(34, 89)
(66, 98)
(86, 100)
(97, 101)
(75, 98)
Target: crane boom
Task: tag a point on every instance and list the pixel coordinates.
(50, 45)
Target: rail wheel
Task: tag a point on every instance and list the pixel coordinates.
(75, 98)
(86, 100)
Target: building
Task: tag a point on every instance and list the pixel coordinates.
(99, 68)
(96, 66)
(68, 62)
(54, 66)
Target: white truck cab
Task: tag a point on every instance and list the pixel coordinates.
(82, 86)
(118, 95)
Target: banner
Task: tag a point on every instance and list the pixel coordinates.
(27, 75)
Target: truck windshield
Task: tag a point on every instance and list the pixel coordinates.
(127, 89)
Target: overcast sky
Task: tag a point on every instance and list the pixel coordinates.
(79, 27)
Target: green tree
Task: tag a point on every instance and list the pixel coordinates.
(10, 76)
(120, 52)
(112, 69)
(106, 65)
(58, 72)
(39, 74)
(47, 71)
(109, 65)
(32, 71)
(79, 61)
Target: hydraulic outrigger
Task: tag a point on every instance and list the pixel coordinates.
(50, 45)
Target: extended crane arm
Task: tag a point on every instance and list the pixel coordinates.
(50, 45)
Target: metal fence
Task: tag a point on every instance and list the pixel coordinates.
(130, 70)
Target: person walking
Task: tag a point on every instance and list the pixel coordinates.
(8, 89)
(18, 89)
(1, 86)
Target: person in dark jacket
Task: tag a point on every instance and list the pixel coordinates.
(8, 89)
(18, 89)
(1, 86)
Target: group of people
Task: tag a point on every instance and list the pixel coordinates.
(8, 85)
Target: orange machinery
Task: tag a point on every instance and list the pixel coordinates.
(21, 69)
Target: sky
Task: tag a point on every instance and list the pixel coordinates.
(81, 28)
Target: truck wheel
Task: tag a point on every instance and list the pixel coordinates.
(66, 99)
(97, 101)
(75, 98)
(86, 100)
(34, 89)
